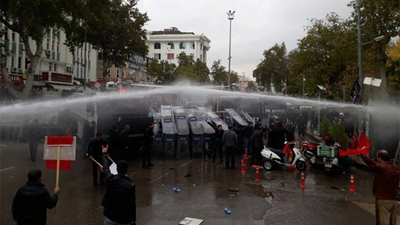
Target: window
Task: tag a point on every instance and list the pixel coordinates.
(201, 47)
(13, 37)
(192, 45)
(12, 62)
(81, 72)
(50, 66)
(55, 67)
(171, 45)
(26, 63)
(157, 45)
(182, 45)
(58, 48)
(19, 62)
(52, 46)
(170, 56)
(157, 56)
(48, 44)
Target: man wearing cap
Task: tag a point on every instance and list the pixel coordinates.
(88, 136)
(120, 199)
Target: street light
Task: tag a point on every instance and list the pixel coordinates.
(321, 88)
(230, 18)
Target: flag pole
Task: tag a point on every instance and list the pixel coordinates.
(58, 167)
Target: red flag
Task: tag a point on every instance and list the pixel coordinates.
(287, 149)
(364, 146)
(354, 141)
(64, 164)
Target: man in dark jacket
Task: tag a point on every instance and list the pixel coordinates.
(147, 147)
(219, 133)
(290, 129)
(34, 137)
(88, 136)
(247, 133)
(31, 201)
(385, 186)
(94, 150)
(120, 199)
(257, 145)
(230, 143)
(113, 140)
(124, 141)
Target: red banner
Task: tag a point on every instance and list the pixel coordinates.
(60, 140)
(364, 146)
(64, 164)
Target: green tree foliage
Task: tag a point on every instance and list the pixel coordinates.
(337, 132)
(393, 69)
(192, 70)
(114, 27)
(327, 56)
(378, 17)
(324, 126)
(273, 69)
(251, 87)
(219, 73)
(31, 19)
(162, 70)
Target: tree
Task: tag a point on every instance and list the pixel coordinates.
(162, 70)
(251, 87)
(218, 73)
(114, 27)
(31, 20)
(393, 69)
(378, 18)
(327, 56)
(273, 71)
(192, 70)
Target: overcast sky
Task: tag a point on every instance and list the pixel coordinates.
(257, 26)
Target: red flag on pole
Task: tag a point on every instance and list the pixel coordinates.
(364, 146)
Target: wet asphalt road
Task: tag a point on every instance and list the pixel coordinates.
(277, 199)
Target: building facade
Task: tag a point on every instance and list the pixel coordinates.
(168, 44)
(57, 66)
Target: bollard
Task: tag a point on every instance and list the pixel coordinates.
(243, 171)
(303, 181)
(352, 185)
(257, 175)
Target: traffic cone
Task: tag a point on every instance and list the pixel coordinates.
(303, 180)
(352, 185)
(257, 175)
(243, 171)
(246, 156)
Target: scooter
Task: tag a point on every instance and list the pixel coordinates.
(310, 152)
(275, 157)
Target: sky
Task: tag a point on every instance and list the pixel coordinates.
(257, 26)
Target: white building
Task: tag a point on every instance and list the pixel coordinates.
(168, 44)
(57, 64)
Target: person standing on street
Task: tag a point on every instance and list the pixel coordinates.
(124, 141)
(290, 129)
(88, 136)
(247, 133)
(229, 141)
(219, 133)
(33, 139)
(113, 138)
(257, 145)
(147, 147)
(120, 199)
(385, 186)
(94, 150)
(31, 201)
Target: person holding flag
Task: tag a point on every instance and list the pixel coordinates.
(94, 151)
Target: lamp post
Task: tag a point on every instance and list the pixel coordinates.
(230, 18)
(304, 79)
(321, 88)
(370, 81)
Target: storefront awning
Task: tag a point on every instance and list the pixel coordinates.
(62, 87)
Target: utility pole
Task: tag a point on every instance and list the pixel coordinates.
(360, 81)
(84, 65)
(230, 18)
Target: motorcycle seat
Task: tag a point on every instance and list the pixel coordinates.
(314, 143)
(277, 151)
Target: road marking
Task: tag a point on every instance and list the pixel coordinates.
(9, 168)
(158, 178)
(187, 163)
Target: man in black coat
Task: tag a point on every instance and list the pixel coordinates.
(120, 199)
(31, 201)
(113, 142)
(257, 144)
(33, 136)
(94, 150)
(124, 141)
(219, 133)
(88, 136)
(147, 147)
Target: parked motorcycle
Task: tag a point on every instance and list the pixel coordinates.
(310, 152)
(275, 157)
